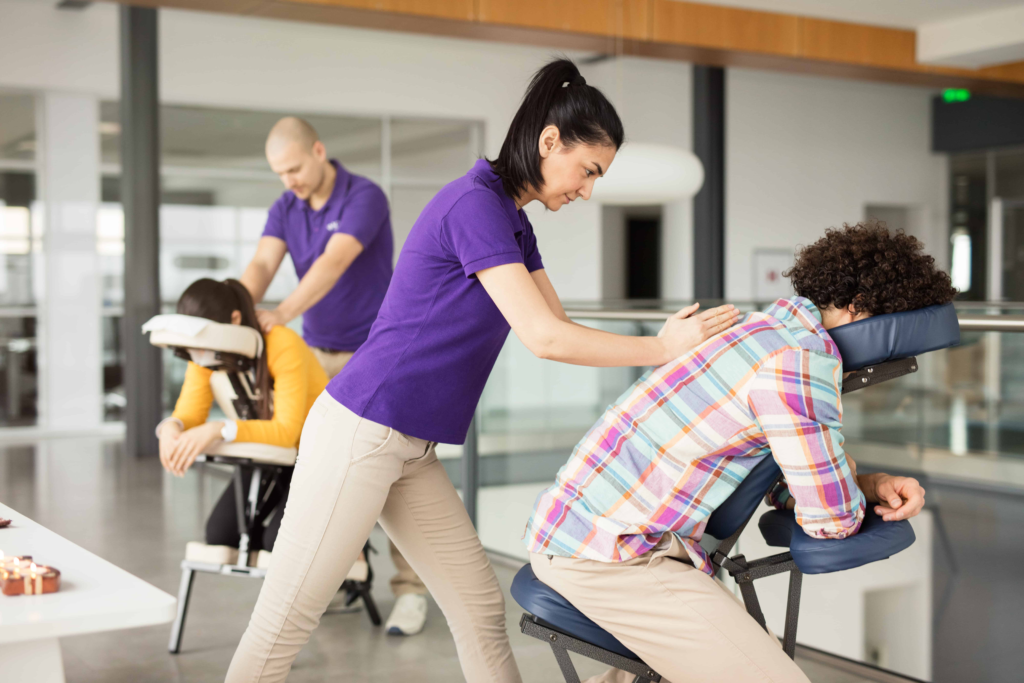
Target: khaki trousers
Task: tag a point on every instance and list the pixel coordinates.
(684, 624)
(350, 472)
(405, 580)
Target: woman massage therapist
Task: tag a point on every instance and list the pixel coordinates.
(470, 269)
(286, 364)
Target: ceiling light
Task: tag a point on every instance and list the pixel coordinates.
(650, 174)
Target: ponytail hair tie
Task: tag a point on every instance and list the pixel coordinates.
(577, 80)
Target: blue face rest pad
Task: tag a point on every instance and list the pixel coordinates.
(542, 601)
(893, 336)
(876, 540)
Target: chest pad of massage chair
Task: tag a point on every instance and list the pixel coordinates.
(235, 348)
(874, 350)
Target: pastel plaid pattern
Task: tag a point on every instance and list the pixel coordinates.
(682, 438)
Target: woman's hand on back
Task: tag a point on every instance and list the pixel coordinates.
(684, 331)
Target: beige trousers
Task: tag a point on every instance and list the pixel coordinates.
(405, 580)
(350, 472)
(684, 624)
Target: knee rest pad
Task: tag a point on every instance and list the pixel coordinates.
(544, 602)
(876, 540)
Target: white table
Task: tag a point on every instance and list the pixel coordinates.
(94, 596)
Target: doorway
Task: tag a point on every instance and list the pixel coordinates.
(643, 258)
(631, 253)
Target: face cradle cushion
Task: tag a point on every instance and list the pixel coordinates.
(874, 350)
(177, 331)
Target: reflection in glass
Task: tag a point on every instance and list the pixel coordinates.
(17, 126)
(960, 270)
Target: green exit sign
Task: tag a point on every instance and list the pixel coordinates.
(956, 95)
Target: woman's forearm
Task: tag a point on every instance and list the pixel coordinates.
(569, 342)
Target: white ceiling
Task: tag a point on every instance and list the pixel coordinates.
(896, 13)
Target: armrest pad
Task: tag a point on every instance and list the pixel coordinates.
(876, 540)
(258, 452)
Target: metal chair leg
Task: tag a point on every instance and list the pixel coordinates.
(565, 664)
(792, 612)
(184, 593)
(371, 606)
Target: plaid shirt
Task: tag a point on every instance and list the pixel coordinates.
(683, 437)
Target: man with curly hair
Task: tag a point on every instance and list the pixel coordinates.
(618, 534)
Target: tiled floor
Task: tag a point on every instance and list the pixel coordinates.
(129, 512)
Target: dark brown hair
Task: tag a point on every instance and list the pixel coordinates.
(216, 301)
(866, 265)
(558, 96)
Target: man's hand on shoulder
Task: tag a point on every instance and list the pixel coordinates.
(268, 319)
(895, 498)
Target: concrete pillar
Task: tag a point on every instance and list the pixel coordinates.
(69, 337)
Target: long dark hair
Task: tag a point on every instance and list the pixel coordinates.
(216, 301)
(558, 96)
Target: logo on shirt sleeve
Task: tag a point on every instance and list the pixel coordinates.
(332, 226)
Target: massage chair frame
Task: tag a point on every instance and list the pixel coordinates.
(236, 347)
(897, 364)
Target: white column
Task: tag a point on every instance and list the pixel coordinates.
(70, 337)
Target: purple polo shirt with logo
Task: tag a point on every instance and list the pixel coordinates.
(438, 333)
(341, 320)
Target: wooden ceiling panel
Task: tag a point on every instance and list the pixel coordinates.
(442, 9)
(837, 41)
(665, 29)
(725, 28)
(613, 18)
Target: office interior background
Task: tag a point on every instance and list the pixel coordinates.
(928, 138)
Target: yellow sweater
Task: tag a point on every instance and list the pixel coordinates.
(298, 380)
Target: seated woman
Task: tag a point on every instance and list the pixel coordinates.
(618, 534)
(288, 379)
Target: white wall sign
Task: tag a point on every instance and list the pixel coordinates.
(769, 283)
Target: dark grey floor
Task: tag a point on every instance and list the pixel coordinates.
(129, 512)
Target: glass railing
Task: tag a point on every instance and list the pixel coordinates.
(957, 424)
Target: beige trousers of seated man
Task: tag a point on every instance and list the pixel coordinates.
(406, 580)
(684, 624)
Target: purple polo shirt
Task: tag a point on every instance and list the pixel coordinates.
(438, 334)
(341, 320)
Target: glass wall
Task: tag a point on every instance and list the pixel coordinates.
(18, 388)
(986, 223)
(217, 189)
(957, 425)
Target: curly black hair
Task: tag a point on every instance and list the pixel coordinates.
(866, 265)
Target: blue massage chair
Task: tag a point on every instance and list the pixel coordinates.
(876, 349)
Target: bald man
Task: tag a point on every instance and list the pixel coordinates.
(337, 228)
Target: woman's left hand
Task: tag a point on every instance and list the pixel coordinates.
(191, 444)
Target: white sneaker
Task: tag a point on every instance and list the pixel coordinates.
(408, 615)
